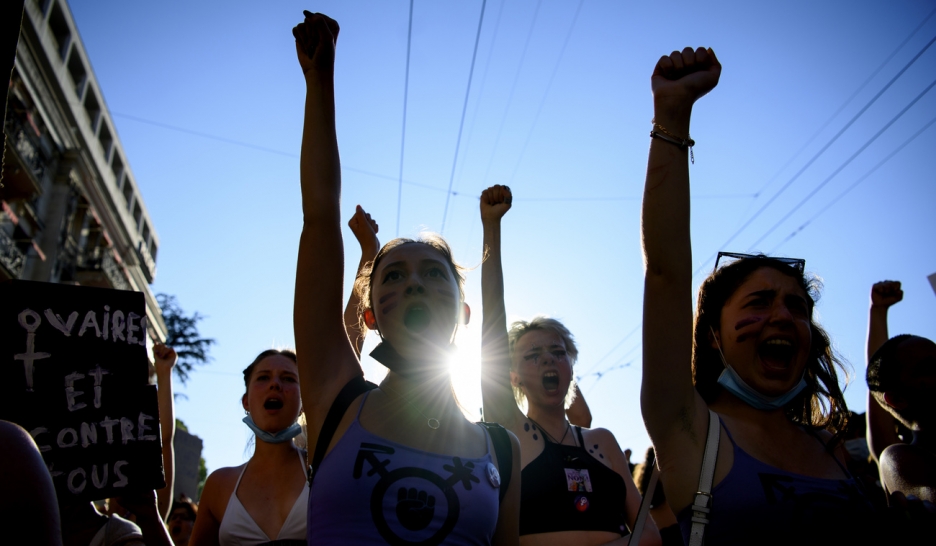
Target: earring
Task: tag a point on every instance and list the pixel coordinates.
(246, 412)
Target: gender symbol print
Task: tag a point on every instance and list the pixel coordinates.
(411, 505)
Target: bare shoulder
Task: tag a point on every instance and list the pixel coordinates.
(601, 436)
(218, 489)
(908, 461)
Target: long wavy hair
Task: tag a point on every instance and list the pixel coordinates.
(821, 405)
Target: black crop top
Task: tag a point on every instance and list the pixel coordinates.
(567, 489)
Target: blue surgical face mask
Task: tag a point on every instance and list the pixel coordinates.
(284, 435)
(732, 382)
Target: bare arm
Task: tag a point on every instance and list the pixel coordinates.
(673, 412)
(507, 532)
(365, 230)
(208, 522)
(578, 413)
(326, 359)
(27, 496)
(497, 393)
(143, 506)
(165, 360)
(881, 431)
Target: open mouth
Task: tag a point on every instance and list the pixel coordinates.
(416, 318)
(776, 354)
(177, 530)
(273, 403)
(551, 382)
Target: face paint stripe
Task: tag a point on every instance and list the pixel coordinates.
(387, 297)
(388, 308)
(747, 322)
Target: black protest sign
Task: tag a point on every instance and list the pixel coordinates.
(75, 376)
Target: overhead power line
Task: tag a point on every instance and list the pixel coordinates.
(846, 163)
(552, 77)
(847, 190)
(849, 100)
(461, 124)
(409, 41)
(818, 154)
(513, 87)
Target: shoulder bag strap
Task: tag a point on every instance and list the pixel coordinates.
(504, 453)
(349, 392)
(703, 497)
(644, 506)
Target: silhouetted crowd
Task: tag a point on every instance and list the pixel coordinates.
(742, 396)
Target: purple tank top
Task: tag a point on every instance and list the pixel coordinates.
(369, 490)
(760, 504)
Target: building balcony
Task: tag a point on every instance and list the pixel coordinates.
(27, 160)
(102, 272)
(12, 259)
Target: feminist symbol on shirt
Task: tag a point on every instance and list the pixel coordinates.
(414, 507)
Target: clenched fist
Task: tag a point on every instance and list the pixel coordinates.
(684, 77)
(365, 230)
(886, 293)
(315, 42)
(495, 202)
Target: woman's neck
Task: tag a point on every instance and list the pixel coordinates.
(731, 406)
(274, 453)
(552, 419)
(428, 394)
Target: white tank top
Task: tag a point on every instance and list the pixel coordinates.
(239, 529)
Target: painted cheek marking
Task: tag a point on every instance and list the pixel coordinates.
(387, 297)
(446, 293)
(747, 322)
(388, 308)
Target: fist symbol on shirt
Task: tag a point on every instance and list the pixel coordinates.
(414, 508)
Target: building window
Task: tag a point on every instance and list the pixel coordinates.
(77, 72)
(92, 109)
(117, 167)
(137, 214)
(60, 32)
(107, 146)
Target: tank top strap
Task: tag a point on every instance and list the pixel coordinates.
(239, 477)
(825, 448)
(488, 440)
(581, 439)
(727, 432)
(357, 416)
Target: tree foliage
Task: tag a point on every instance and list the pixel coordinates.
(183, 336)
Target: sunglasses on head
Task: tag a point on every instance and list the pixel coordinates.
(798, 264)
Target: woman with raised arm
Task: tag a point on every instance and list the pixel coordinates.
(757, 368)
(577, 487)
(398, 463)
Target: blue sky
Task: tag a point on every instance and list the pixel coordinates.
(559, 109)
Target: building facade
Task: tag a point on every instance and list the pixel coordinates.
(70, 209)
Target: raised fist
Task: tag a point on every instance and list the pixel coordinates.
(315, 42)
(165, 357)
(365, 230)
(886, 293)
(685, 76)
(414, 508)
(495, 202)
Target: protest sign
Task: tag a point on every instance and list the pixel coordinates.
(75, 376)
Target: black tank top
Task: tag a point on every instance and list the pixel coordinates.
(567, 489)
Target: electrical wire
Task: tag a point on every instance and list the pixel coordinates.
(552, 77)
(849, 100)
(818, 154)
(461, 124)
(847, 190)
(513, 87)
(409, 41)
(846, 163)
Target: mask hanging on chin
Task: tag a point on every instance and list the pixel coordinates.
(732, 382)
(284, 435)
